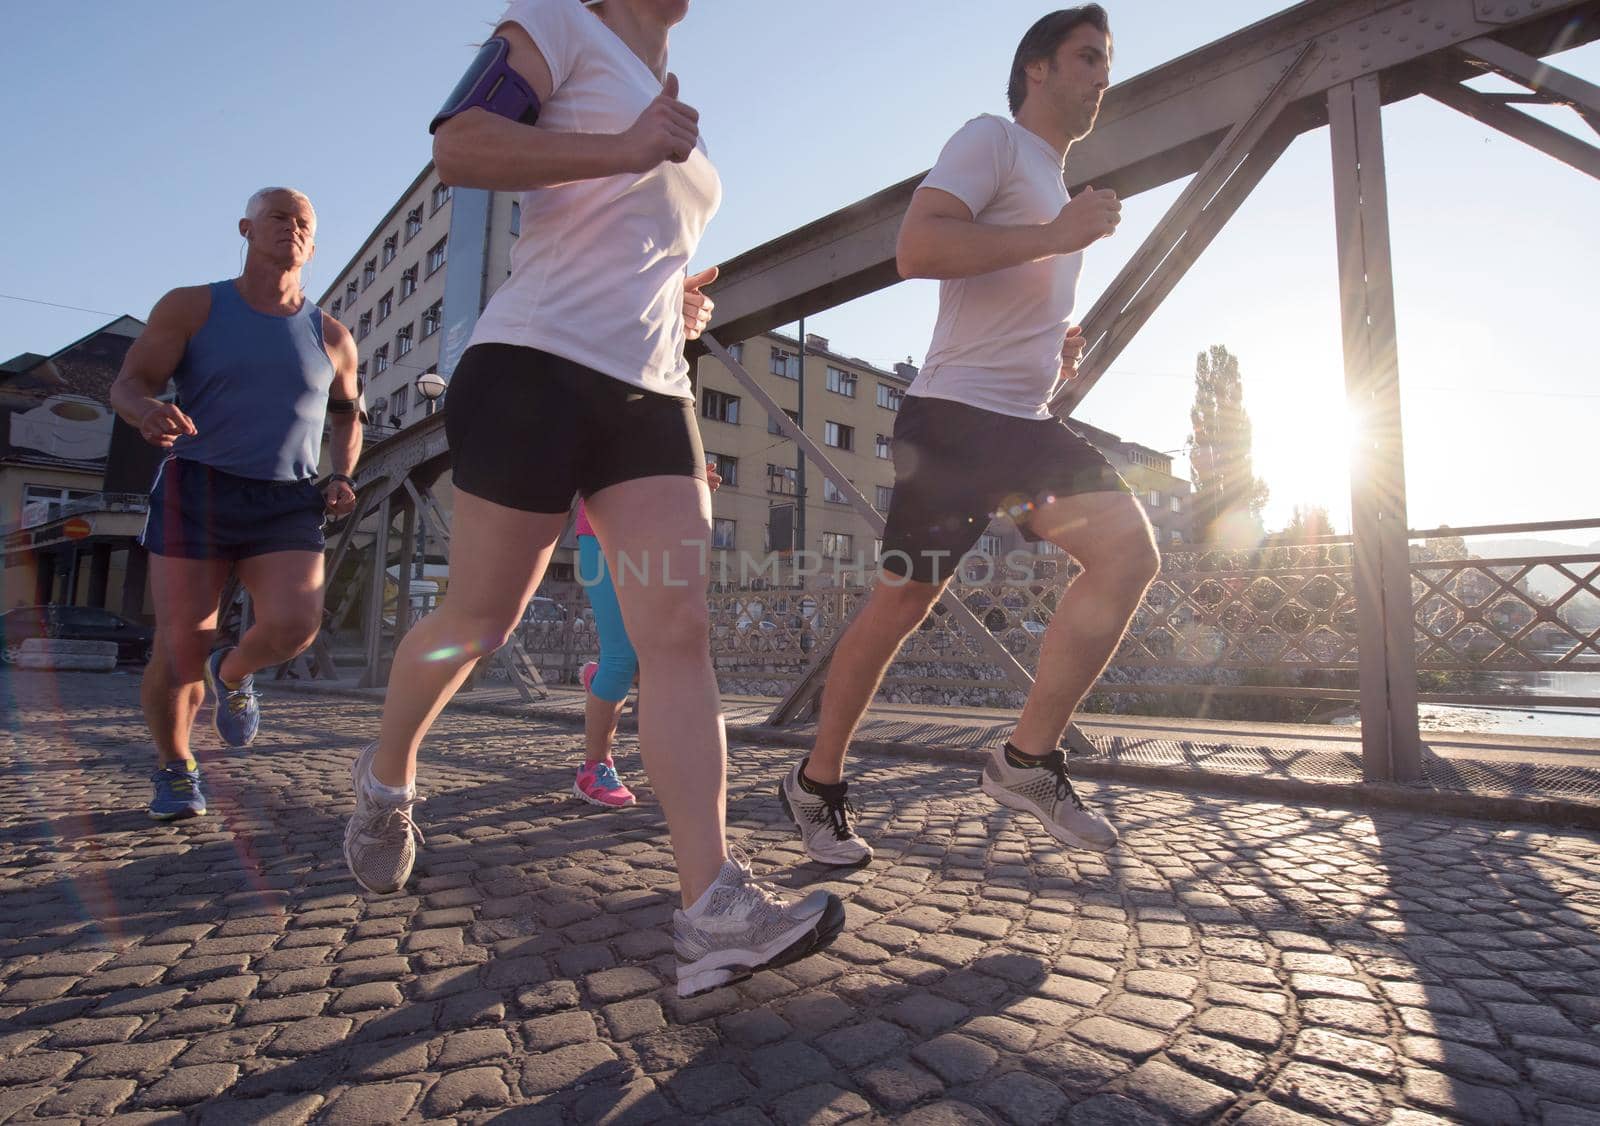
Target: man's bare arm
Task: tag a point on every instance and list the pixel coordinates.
(940, 239)
(151, 361)
(344, 427)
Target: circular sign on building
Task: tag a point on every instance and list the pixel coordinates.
(77, 528)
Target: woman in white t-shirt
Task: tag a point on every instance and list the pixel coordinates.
(575, 383)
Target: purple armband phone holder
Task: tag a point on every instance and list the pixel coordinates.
(491, 84)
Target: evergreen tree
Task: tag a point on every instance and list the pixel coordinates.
(1228, 495)
(1309, 521)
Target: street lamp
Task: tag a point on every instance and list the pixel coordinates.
(430, 385)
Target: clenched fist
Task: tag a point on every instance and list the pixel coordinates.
(1088, 217)
(1072, 353)
(666, 130)
(697, 307)
(163, 424)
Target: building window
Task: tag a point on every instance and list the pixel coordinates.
(1176, 536)
(403, 340)
(783, 480)
(380, 361)
(369, 273)
(719, 406)
(1048, 548)
(885, 497)
(889, 397)
(722, 533)
(989, 545)
(1177, 505)
(841, 382)
(408, 281)
(52, 497)
(385, 306)
(785, 365)
(400, 401)
(413, 222)
(430, 318)
(441, 196)
(338, 306)
(877, 550)
(772, 423)
(361, 372)
(391, 247)
(736, 350)
(727, 468)
(364, 325)
(839, 436)
(516, 217)
(837, 545)
(1155, 498)
(436, 256)
(880, 446)
(350, 292)
(832, 493)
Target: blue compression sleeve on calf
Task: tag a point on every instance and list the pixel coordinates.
(491, 84)
(618, 662)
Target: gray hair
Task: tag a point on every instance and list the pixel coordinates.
(259, 200)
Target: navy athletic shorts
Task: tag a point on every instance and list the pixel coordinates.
(198, 512)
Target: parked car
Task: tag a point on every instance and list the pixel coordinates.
(73, 623)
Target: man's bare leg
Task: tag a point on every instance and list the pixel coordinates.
(185, 592)
(1109, 535)
(861, 658)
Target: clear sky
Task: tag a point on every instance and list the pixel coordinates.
(135, 132)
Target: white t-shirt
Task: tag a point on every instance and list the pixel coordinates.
(997, 343)
(597, 272)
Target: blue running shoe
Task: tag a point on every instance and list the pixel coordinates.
(238, 714)
(177, 794)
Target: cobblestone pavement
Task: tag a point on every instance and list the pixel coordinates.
(1233, 961)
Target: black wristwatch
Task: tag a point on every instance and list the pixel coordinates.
(348, 480)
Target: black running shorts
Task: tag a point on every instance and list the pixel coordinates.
(957, 466)
(529, 429)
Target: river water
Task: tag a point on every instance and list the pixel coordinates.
(1563, 721)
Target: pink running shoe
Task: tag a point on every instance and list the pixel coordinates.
(597, 783)
(587, 675)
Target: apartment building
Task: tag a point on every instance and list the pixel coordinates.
(1168, 499)
(409, 312)
(849, 409)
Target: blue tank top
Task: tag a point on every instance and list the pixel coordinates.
(256, 386)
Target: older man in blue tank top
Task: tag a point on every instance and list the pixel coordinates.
(258, 370)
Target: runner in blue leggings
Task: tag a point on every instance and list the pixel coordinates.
(608, 679)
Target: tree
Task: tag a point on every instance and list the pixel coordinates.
(1228, 495)
(1309, 521)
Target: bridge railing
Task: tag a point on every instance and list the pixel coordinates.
(1275, 620)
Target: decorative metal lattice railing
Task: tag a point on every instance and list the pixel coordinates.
(1208, 616)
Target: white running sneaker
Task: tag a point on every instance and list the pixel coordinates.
(826, 821)
(380, 841)
(741, 925)
(1046, 792)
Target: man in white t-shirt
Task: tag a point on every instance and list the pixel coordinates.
(975, 437)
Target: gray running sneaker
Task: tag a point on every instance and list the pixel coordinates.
(380, 842)
(1046, 792)
(826, 821)
(741, 925)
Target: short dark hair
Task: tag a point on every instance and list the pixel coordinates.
(1044, 38)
